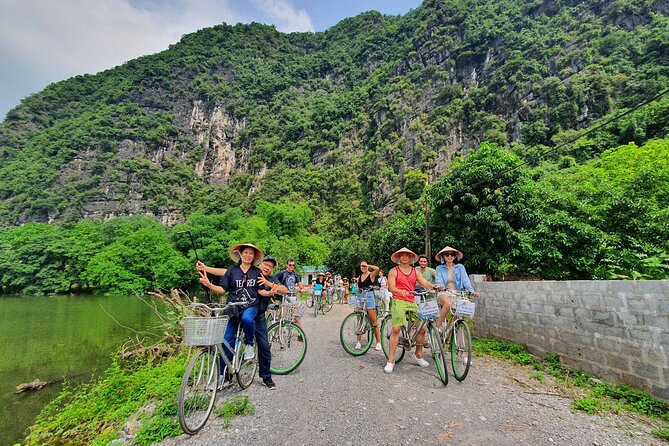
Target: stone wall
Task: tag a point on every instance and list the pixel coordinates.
(616, 330)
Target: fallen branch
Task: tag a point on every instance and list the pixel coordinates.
(33, 385)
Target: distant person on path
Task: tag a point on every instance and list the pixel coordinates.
(319, 286)
(383, 289)
(402, 281)
(451, 276)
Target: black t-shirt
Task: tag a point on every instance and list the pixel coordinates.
(264, 301)
(242, 286)
(289, 279)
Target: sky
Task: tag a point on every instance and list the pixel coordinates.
(46, 41)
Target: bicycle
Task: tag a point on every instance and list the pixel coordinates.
(356, 331)
(455, 332)
(428, 312)
(200, 383)
(287, 340)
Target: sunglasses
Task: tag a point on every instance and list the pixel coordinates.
(449, 254)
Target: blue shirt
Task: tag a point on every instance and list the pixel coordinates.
(460, 277)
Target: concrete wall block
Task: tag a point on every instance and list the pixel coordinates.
(618, 362)
(664, 375)
(633, 380)
(583, 314)
(613, 302)
(646, 370)
(657, 287)
(623, 286)
(661, 392)
(591, 301)
(635, 304)
(663, 305)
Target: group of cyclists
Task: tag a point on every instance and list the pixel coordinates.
(257, 288)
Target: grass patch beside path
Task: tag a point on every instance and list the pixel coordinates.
(599, 396)
(140, 396)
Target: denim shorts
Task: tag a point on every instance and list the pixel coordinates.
(369, 295)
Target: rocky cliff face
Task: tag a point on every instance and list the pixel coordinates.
(443, 93)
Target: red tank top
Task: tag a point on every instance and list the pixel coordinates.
(406, 282)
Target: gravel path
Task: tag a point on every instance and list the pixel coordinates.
(337, 399)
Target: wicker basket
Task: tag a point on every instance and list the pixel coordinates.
(204, 330)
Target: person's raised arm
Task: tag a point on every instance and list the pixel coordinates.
(373, 271)
(204, 280)
(200, 266)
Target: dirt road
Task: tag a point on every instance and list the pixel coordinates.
(337, 399)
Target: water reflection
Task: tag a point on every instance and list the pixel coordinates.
(57, 338)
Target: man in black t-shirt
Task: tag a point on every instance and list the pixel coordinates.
(293, 282)
(271, 287)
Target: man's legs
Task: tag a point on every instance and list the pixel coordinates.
(264, 352)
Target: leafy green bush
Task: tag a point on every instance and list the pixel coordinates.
(95, 413)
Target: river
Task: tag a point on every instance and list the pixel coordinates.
(57, 339)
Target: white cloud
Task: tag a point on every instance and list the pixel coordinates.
(43, 41)
(47, 41)
(284, 14)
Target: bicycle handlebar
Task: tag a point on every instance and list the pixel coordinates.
(215, 309)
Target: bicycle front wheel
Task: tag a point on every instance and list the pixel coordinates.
(198, 390)
(327, 304)
(310, 301)
(461, 350)
(355, 334)
(438, 353)
(247, 369)
(386, 329)
(288, 344)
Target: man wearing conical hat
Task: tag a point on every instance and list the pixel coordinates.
(401, 283)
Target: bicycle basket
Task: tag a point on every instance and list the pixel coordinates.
(427, 308)
(465, 308)
(204, 330)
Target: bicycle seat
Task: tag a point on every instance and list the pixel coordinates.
(272, 306)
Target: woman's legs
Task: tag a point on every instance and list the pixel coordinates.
(248, 324)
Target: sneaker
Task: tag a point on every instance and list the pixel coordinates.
(420, 361)
(249, 353)
(267, 382)
(389, 367)
(358, 345)
(378, 347)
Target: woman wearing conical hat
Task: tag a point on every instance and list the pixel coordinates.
(451, 276)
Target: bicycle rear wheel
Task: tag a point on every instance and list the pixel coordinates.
(386, 329)
(198, 390)
(355, 334)
(438, 354)
(247, 370)
(288, 344)
(461, 350)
